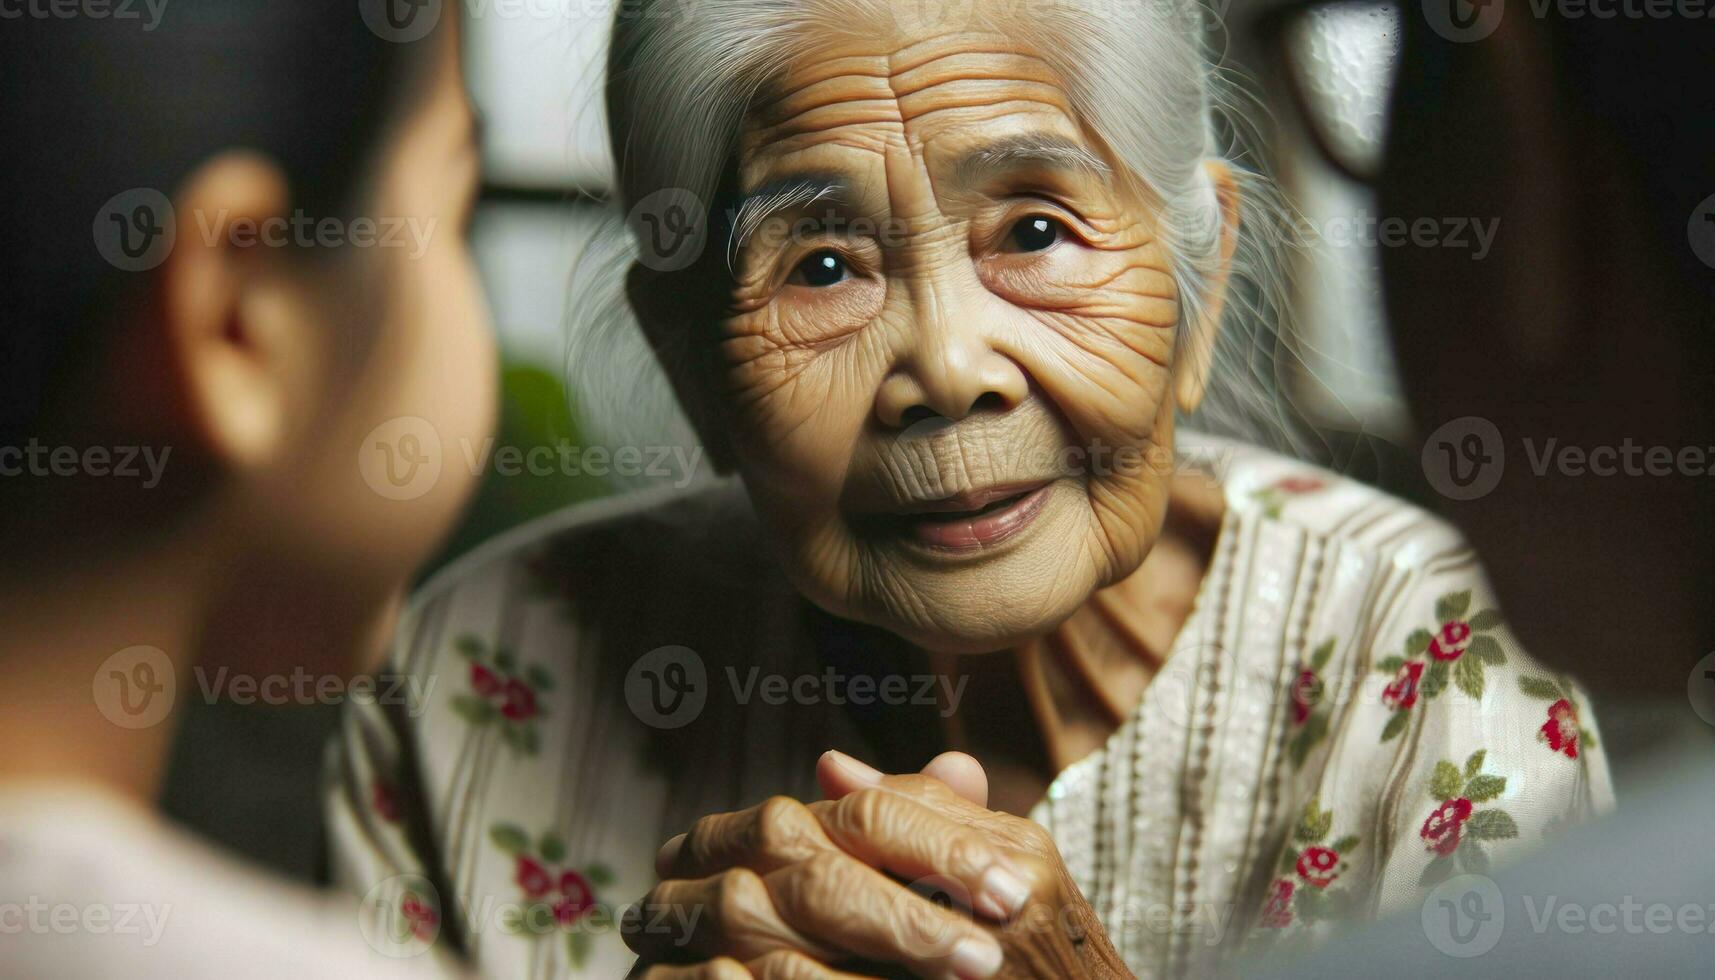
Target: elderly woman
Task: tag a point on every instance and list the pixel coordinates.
(1148, 698)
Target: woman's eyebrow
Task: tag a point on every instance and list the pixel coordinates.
(775, 196)
(1027, 150)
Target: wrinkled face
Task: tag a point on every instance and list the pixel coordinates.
(948, 361)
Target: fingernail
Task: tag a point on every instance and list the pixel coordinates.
(976, 958)
(668, 854)
(1003, 893)
(853, 768)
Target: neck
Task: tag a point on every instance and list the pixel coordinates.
(1083, 679)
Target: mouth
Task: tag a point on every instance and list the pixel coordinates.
(975, 520)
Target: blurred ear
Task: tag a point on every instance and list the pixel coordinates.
(660, 300)
(1195, 358)
(229, 340)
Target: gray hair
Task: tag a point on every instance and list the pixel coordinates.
(1139, 73)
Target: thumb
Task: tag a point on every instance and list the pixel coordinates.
(963, 774)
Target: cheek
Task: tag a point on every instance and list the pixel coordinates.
(1100, 335)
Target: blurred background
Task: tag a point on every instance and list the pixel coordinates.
(534, 70)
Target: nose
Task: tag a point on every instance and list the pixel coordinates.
(949, 371)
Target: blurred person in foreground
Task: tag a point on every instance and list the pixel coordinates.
(1590, 326)
(277, 268)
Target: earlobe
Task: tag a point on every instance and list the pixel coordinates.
(660, 313)
(1194, 360)
(227, 341)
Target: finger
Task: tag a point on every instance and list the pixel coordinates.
(840, 774)
(728, 914)
(720, 969)
(888, 830)
(764, 838)
(789, 964)
(963, 774)
(872, 917)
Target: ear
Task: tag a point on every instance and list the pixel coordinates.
(660, 300)
(228, 343)
(1196, 354)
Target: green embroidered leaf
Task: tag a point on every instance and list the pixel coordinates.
(1468, 674)
(1307, 902)
(539, 678)
(1446, 782)
(1314, 824)
(1319, 657)
(578, 946)
(1434, 681)
(1539, 687)
(504, 659)
(1482, 788)
(1452, 606)
(1491, 825)
(1314, 729)
(600, 875)
(1390, 665)
(1395, 725)
(1487, 649)
(1472, 858)
(1437, 871)
(1485, 619)
(468, 646)
(552, 849)
(1586, 739)
(473, 709)
(527, 740)
(509, 838)
(1346, 844)
(1289, 861)
(1474, 764)
(1417, 642)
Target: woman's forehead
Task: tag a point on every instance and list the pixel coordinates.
(846, 107)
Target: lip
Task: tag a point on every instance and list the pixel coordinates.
(951, 525)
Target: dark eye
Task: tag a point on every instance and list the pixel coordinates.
(1034, 234)
(824, 268)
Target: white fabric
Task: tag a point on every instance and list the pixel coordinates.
(93, 887)
(1180, 830)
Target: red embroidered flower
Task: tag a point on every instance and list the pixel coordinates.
(1277, 911)
(423, 918)
(1316, 865)
(1560, 731)
(520, 701)
(1306, 691)
(532, 878)
(484, 681)
(1450, 643)
(1299, 484)
(1441, 830)
(577, 898)
(384, 800)
(1402, 692)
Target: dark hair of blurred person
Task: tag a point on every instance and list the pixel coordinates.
(233, 259)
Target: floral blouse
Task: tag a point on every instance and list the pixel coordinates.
(1343, 722)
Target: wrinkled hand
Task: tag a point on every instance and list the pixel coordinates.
(790, 890)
